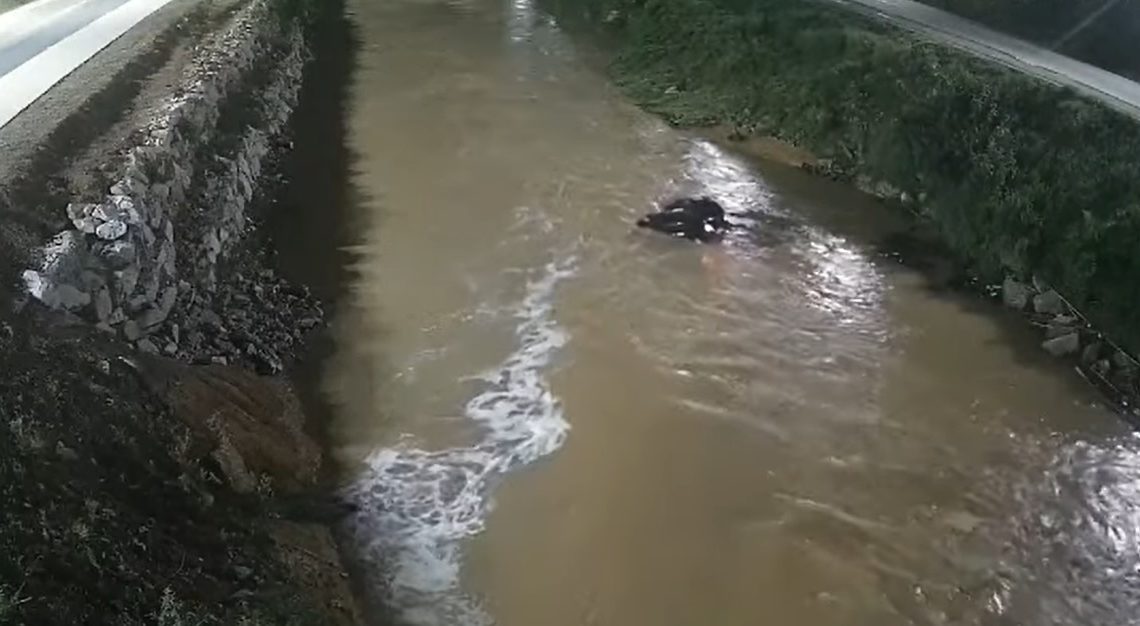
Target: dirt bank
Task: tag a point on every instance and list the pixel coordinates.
(158, 467)
(138, 489)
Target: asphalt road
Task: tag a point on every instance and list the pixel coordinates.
(1115, 91)
(29, 31)
(44, 41)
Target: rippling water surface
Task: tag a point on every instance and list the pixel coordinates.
(552, 419)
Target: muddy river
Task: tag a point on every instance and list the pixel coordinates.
(550, 419)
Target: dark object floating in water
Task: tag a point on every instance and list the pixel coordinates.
(698, 219)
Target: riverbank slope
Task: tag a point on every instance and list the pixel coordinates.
(158, 467)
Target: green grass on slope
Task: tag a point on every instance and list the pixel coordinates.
(1020, 176)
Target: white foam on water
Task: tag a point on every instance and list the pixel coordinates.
(416, 506)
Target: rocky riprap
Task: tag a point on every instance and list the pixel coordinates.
(180, 200)
(155, 467)
(1069, 334)
(255, 319)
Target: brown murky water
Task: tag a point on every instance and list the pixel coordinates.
(559, 421)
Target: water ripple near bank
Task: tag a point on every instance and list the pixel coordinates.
(417, 505)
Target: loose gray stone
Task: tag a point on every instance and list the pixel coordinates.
(81, 216)
(1102, 367)
(78, 210)
(65, 255)
(109, 231)
(1015, 294)
(169, 266)
(147, 346)
(36, 283)
(131, 330)
(157, 314)
(87, 225)
(212, 244)
(267, 362)
(138, 303)
(91, 281)
(149, 318)
(165, 258)
(136, 172)
(1063, 345)
(118, 254)
(212, 320)
(167, 299)
(246, 188)
(117, 316)
(1049, 303)
(68, 298)
(103, 304)
(156, 212)
(151, 283)
(1090, 353)
(108, 212)
(119, 208)
(163, 251)
(1121, 359)
(125, 282)
(170, 348)
(1061, 325)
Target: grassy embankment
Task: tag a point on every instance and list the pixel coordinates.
(1017, 176)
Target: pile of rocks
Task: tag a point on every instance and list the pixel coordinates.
(1068, 334)
(153, 243)
(255, 319)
